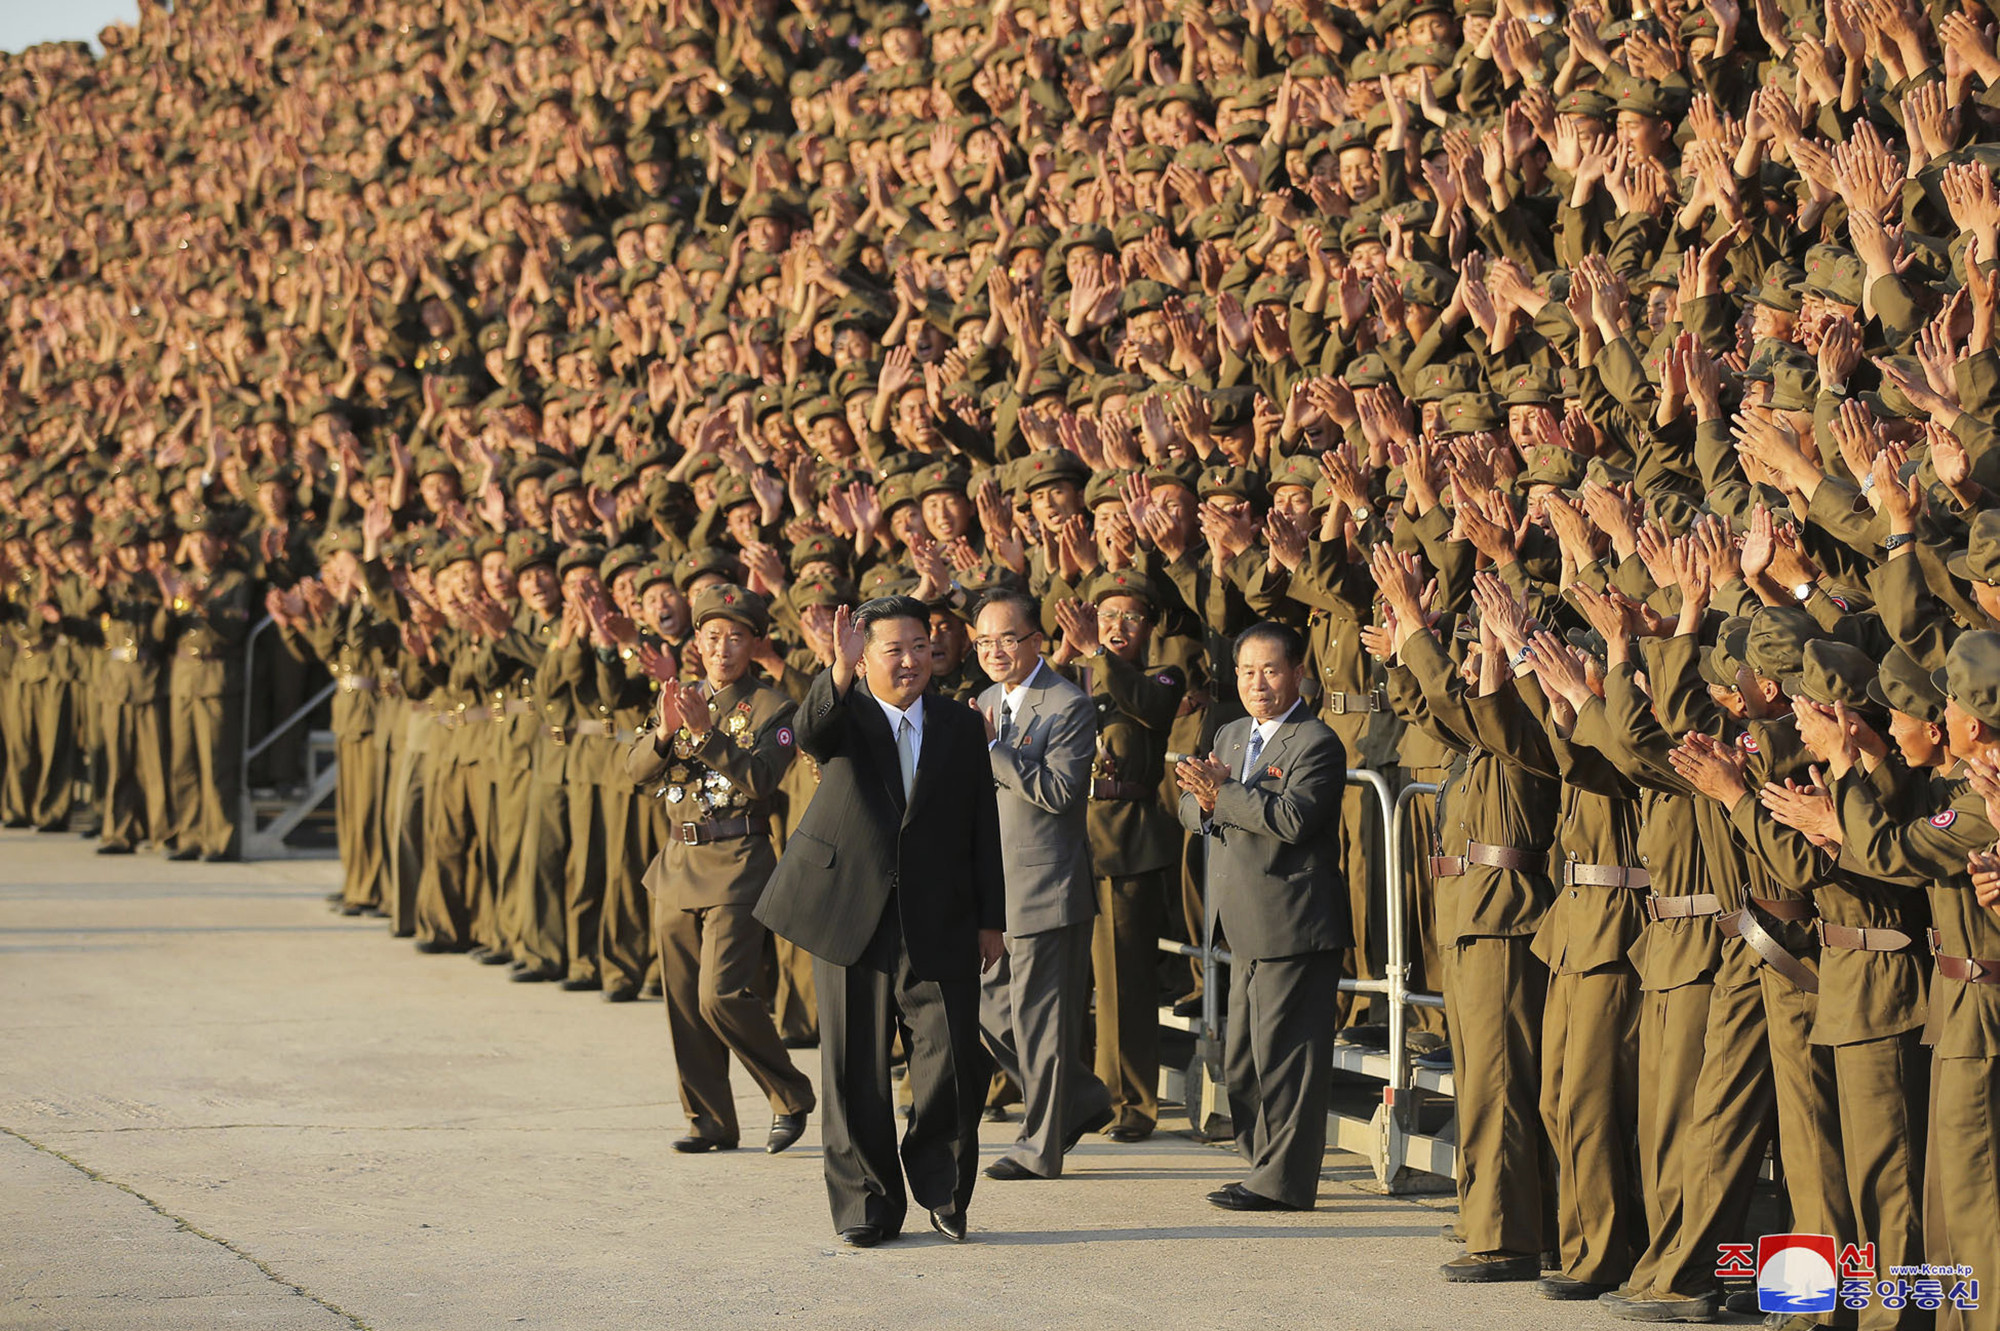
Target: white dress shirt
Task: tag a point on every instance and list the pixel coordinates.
(1263, 731)
(915, 716)
(1011, 697)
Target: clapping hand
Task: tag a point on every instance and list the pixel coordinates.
(1202, 778)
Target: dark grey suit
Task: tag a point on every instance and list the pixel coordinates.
(1275, 869)
(889, 896)
(1032, 1005)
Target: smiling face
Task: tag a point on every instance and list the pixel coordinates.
(897, 660)
(1266, 681)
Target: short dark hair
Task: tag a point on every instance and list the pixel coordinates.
(1031, 611)
(1270, 630)
(884, 608)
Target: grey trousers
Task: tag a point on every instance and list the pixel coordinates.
(1032, 1007)
(1278, 1063)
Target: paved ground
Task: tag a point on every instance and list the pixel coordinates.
(221, 1106)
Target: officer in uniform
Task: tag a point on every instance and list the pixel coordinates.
(135, 779)
(207, 617)
(715, 760)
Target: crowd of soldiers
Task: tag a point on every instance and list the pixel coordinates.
(1608, 392)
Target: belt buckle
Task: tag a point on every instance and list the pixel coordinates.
(690, 834)
(1338, 700)
(560, 735)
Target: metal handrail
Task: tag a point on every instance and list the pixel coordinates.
(246, 803)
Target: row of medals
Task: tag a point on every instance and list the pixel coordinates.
(708, 790)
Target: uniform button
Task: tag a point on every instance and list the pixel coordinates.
(1572, 891)
(1644, 860)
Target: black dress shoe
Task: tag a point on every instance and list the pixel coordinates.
(790, 1041)
(1488, 1267)
(534, 975)
(184, 854)
(17, 824)
(651, 989)
(997, 1114)
(113, 848)
(785, 1129)
(1437, 1060)
(1236, 1197)
(696, 1145)
(433, 946)
(1127, 1136)
(862, 1236)
(951, 1226)
(349, 911)
(622, 994)
(52, 827)
(487, 956)
(1556, 1285)
(1189, 1006)
(581, 985)
(1008, 1170)
(1095, 1123)
(220, 857)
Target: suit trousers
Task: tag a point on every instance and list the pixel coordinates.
(1125, 956)
(1884, 1088)
(1494, 988)
(1732, 1118)
(1031, 1012)
(862, 1009)
(135, 778)
(709, 962)
(1673, 1025)
(207, 772)
(1962, 1179)
(1278, 1068)
(1590, 1108)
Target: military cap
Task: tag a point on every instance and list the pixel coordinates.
(1049, 466)
(1183, 472)
(710, 559)
(896, 491)
(1124, 582)
(1106, 487)
(818, 548)
(1779, 289)
(1232, 408)
(1148, 157)
(1834, 274)
(1367, 64)
(1270, 289)
(457, 550)
(1441, 379)
(1368, 370)
(651, 572)
(1300, 469)
(619, 558)
(887, 580)
(1237, 482)
(1647, 98)
(1774, 644)
(1549, 464)
(1971, 676)
(1427, 284)
(1721, 662)
(1468, 413)
(941, 478)
(525, 549)
(1135, 226)
(1585, 102)
(217, 522)
(126, 529)
(1835, 672)
(1980, 560)
(1245, 131)
(560, 480)
(1902, 685)
(1142, 295)
(732, 491)
(1526, 385)
(726, 600)
(432, 462)
(829, 592)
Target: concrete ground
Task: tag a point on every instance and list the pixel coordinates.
(222, 1106)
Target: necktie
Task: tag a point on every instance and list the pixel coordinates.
(906, 755)
(1006, 734)
(1255, 752)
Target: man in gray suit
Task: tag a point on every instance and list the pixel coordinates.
(1041, 735)
(1268, 797)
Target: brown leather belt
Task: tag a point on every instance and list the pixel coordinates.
(353, 683)
(128, 654)
(1576, 874)
(1343, 704)
(1696, 906)
(603, 729)
(1493, 857)
(474, 715)
(720, 829)
(1119, 790)
(1745, 925)
(1863, 940)
(518, 707)
(1966, 970)
(1796, 908)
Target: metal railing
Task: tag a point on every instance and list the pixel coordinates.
(267, 842)
(1393, 1128)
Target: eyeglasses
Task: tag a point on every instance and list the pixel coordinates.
(1127, 619)
(1005, 642)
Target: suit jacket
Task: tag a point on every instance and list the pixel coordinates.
(859, 841)
(1042, 769)
(1274, 861)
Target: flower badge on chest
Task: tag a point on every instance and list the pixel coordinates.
(1275, 773)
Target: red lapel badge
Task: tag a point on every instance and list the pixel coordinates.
(1275, 773)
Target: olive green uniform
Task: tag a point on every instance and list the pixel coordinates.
(205, 711)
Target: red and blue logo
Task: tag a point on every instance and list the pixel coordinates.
(1796, 1273)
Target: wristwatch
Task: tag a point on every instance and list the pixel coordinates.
(1803, 592)
(1897, 540)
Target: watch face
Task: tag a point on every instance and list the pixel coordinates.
(1803, 591)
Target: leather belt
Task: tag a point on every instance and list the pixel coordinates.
(1342, 704)
(518, 707)
(1576, 874)
(1795, 909)
(1744, 924)
(474, 715)
(1696, 906)
(1966, 970)
(1493, 857)
(720, 829)
(194, 653)
(1118, 790)
(353, 683)
(128, 654)
(448, 720)
(601, 729)
(1863, 940)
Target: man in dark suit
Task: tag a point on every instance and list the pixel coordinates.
(1042, 733)
(893, 882)
(1268, 797)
